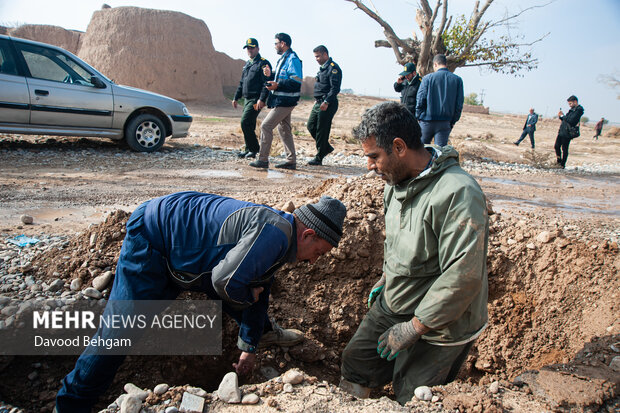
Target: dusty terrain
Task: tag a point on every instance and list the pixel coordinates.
(553, 258)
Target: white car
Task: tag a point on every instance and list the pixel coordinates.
(46, 90)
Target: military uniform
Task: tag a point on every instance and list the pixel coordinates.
(326, 89)
(252, 88)
(408, 92)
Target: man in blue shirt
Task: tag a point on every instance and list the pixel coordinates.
(227, 248)
(439, 102)
(529, 127)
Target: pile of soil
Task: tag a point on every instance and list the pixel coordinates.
(552, 302)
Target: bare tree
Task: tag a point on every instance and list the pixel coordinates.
(463, 40)
(613, 81)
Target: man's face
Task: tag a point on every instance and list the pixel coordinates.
(572, 103)
(279, 46)
(410, 76)
(252, 52)
(310, 246)
(321, 57)
(388, 167)
(531, 111)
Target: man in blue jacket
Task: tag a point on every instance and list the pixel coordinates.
(529, 127)
(227, 248)
(285, 92)
(439, 102)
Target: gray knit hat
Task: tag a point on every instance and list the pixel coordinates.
(325, 218)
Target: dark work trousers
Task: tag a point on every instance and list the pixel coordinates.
(423, 364)
(319, 126)
(561, 149)
(141, 274)
(527, 131)
(248, 125)
(439, 129)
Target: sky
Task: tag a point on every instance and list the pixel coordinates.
(583, 42)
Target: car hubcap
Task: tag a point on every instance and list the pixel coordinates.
(148, 134)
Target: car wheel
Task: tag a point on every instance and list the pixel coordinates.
(145, 133)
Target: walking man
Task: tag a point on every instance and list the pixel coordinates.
(326, 89)
(252, 88)
(226, 248)
(529, 127)
(439, 102)
(285, 93)
(431, 302)
(598, 128)
(569, 129)
(407, 84)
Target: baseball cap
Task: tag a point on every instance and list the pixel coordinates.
(251, 42)
(408, 69)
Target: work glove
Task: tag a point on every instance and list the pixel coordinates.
(396, 338)
(376, 289)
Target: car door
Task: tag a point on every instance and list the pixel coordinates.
(14, 99)
(60, 90)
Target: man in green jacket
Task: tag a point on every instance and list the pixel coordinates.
(431, 301)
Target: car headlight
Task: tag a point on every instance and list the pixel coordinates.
(185, 111)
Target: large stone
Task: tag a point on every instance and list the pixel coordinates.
(136, 391)
(101, 282)
(545, 237)
(161, 389)
(92, 293)
(76, 284)
(27, 219)
(228, 390)
(131, 404)
(615, 363)
(423, 393)
(250, 398)
(192, 403)
(56, 285)
(293, 377)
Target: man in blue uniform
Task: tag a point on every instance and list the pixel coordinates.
(407, 85)
(326, 89)
(221, 246)
(252, 88)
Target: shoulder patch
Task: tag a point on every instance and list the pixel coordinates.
(332, 63)
(262, 58)
(334, 71)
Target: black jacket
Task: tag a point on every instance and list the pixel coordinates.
(571, 118)
(252, 84)
(328, 81)
(408, 92)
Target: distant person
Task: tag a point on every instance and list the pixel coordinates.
(252, 88)
(407, 85)
(285, 91)
(439, 102)
(569, 129)
(529, 127)
(326, 89)
(598, 128)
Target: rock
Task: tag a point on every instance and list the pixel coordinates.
(293, 377)
(287, 388)
(161, 389)
(136, 391)
(93, 239)
(615, 347)
(33, 375)
(171, 409)
(131, 404)
(250, 398)
(423, 393)
(435, 399)
(544, 237)
(92, 293)
(192, 403)
(56, 285)
(354, 215)
(494, 387)
(228, 390)
(530, 245)
(76, 284)
(101, 281)
(371, 217)
(615, 363)
(26, 219)
(197, 391)
(289, 207)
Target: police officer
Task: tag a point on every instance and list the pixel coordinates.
(326, 90)
(252, 88)
(407, 84)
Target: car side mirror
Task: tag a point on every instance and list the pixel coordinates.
(98, 83)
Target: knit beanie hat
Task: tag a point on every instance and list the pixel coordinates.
(324, 217)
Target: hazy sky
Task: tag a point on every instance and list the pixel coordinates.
(584, 42)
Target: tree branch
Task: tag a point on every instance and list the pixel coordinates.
(506, 19)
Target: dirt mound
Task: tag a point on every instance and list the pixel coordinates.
(67, 39)
(613, 132)
(548, 295)
(162, 51)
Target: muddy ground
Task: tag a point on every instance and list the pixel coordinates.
(553, 254)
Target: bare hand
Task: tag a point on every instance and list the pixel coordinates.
(259, 105)
(245, 364)
(400, 80)
(234, 103)
(266, 70)
(271, 85)
(560, 114)
(323, 106)
(256, 292)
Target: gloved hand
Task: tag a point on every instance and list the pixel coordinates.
(376, 289)
(396, 338)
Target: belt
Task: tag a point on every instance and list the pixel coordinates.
(184, 279)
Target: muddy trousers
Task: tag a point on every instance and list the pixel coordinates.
(248, 125)
(561, 149)
(421, 365)
(319, 125)
(280, 117)
(140, 275)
